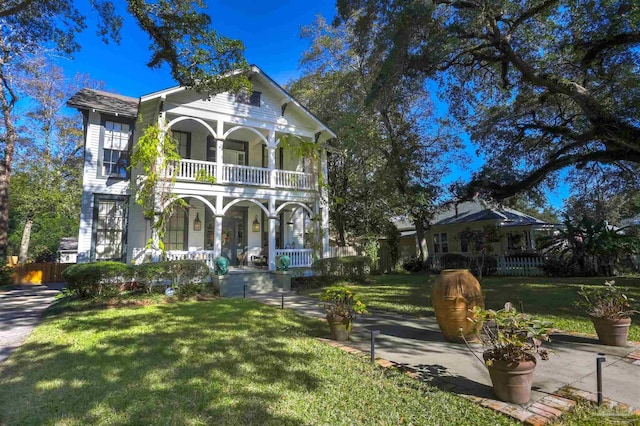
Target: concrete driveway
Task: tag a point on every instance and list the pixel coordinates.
(20, 311)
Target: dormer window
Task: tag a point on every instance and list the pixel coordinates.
(252, 99)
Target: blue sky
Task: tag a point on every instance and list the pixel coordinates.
(270, 31)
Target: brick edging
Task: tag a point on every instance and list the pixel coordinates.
(541, 412)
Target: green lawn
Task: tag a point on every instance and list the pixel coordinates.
(551, 298)
(222, 362)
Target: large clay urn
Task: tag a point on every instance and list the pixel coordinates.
(455, 292)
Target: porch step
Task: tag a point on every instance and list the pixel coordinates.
(233, 284)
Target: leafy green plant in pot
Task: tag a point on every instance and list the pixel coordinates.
(610, 312)
(341, 305)
(513, 341)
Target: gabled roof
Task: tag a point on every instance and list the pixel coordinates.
(255, 70)
(111, 103)
(479, 210)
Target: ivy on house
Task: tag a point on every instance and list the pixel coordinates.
(156, 156)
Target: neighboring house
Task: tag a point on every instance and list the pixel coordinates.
(264, 199)
(515, 232)
(68, 250)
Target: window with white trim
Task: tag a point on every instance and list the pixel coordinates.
(115, 149)
(111, 217)
(176, 233)
(440, 243)
(183, 142)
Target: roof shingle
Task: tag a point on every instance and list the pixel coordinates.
(111, 103)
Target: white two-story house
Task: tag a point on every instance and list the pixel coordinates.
(265, 199)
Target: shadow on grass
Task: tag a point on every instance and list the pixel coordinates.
(206, 362)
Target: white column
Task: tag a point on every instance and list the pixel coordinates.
(324, 206)
(272, 234)
(532, 241)
(271, 148)
(219, 159)
(217, 235)
(156, 254)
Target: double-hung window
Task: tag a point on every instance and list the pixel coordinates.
(110, 227)
(440, 243)
(175, 237)
(115, 148)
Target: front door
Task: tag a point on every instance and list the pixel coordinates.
(233, 235)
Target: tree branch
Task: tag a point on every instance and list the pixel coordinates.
(15, 9)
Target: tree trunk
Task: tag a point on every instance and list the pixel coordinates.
(423, 249)
(24, 245)
(4, 209)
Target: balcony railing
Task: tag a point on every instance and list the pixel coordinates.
(196, 170)
(205, 171)
(300, 258)
(245, 174)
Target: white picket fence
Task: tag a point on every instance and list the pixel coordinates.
(507, 265)
(520, 266)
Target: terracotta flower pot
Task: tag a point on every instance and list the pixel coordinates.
(340, 327)
(455, 292)
(612, 331)
(512, 381)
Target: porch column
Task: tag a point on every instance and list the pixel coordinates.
(219, 159)
(324, 206)
(272, 235)
(156, 253)
(217, 234)
(532, 241)
(271, 150)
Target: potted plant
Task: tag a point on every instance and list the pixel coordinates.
(610, 312)
(341, 305)
(513, 342)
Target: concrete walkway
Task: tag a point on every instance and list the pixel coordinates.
(20, 311)
(418, 343)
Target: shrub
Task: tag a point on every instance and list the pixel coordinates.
(187, 290)
(355, 268)
(97, 278)
(187, 271)
(455, 261)
(561, 267)
(151, 274)
(342, 302)
(5, 275)
(412, 265)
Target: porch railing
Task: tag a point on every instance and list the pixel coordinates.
(506, 265)
(295, 180)
(204, 255)
(300, 258)
(195, 170)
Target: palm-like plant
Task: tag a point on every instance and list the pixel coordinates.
(576, 242)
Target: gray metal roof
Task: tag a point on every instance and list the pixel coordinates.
(479, 210)
(90, 99)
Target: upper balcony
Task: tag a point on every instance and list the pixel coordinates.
(204, 171)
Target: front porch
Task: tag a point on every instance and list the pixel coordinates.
(300, 258)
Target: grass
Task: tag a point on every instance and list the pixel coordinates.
(588, 414)
(223, 362)
(551, 298)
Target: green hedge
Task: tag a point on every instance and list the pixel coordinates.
(355, 268)
(109, 278)
(97, 278)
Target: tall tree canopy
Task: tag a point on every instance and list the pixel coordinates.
(542, 85)
(180, 34)
(389, 165)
